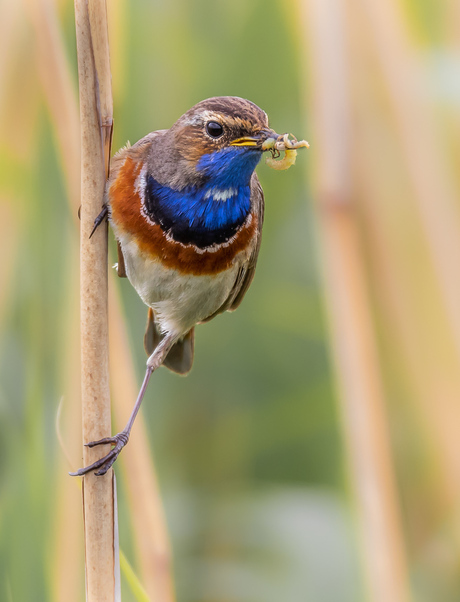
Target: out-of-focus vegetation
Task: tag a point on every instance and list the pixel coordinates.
(248, 449)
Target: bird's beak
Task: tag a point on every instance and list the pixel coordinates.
(263, 140)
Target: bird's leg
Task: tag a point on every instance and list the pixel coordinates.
(121, 439)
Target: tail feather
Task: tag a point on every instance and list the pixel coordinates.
(180, 357)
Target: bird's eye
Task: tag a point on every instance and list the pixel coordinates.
(214, 129)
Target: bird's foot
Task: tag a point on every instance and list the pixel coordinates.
(103, 464)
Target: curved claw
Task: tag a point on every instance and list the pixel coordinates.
(111, 440)
(104, 463)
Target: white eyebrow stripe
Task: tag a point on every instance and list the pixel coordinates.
(201, 118)
(220, 195)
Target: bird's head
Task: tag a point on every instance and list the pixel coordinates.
(221, 140)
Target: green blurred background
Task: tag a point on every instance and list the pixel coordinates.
(249, 451)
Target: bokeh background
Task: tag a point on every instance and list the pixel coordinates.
(314, 450)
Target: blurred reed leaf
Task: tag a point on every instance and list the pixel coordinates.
(139, 593)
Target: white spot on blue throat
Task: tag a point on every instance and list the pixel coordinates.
(218, 194)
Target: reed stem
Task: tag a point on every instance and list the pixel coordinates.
(98, 492)
(149, 529)
(352, 337)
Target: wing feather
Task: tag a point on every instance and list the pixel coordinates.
(116, 163)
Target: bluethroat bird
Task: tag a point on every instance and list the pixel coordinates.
(187, 210)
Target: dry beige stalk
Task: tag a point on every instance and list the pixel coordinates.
(68, 558)
(98, 492)
(149, 529)
(18, 95)
(435, 203)
(353, 342)
(431, 369)
(58, 88)
(431, 178)
(149, 525)
(100, 41)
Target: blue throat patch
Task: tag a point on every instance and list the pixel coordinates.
(212, 213)
(230, 167)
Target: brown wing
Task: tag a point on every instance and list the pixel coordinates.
(246, 272)
(116, 163)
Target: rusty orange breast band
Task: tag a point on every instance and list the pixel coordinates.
(127, 215)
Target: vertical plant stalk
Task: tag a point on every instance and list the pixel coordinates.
(353, 342)
(100, 42)
(58, 87)
(98, 492)
(67, 555)
(431, 177)
(422, 149)
(149, 527)
(431, 370)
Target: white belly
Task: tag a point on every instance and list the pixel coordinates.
(179, 301)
